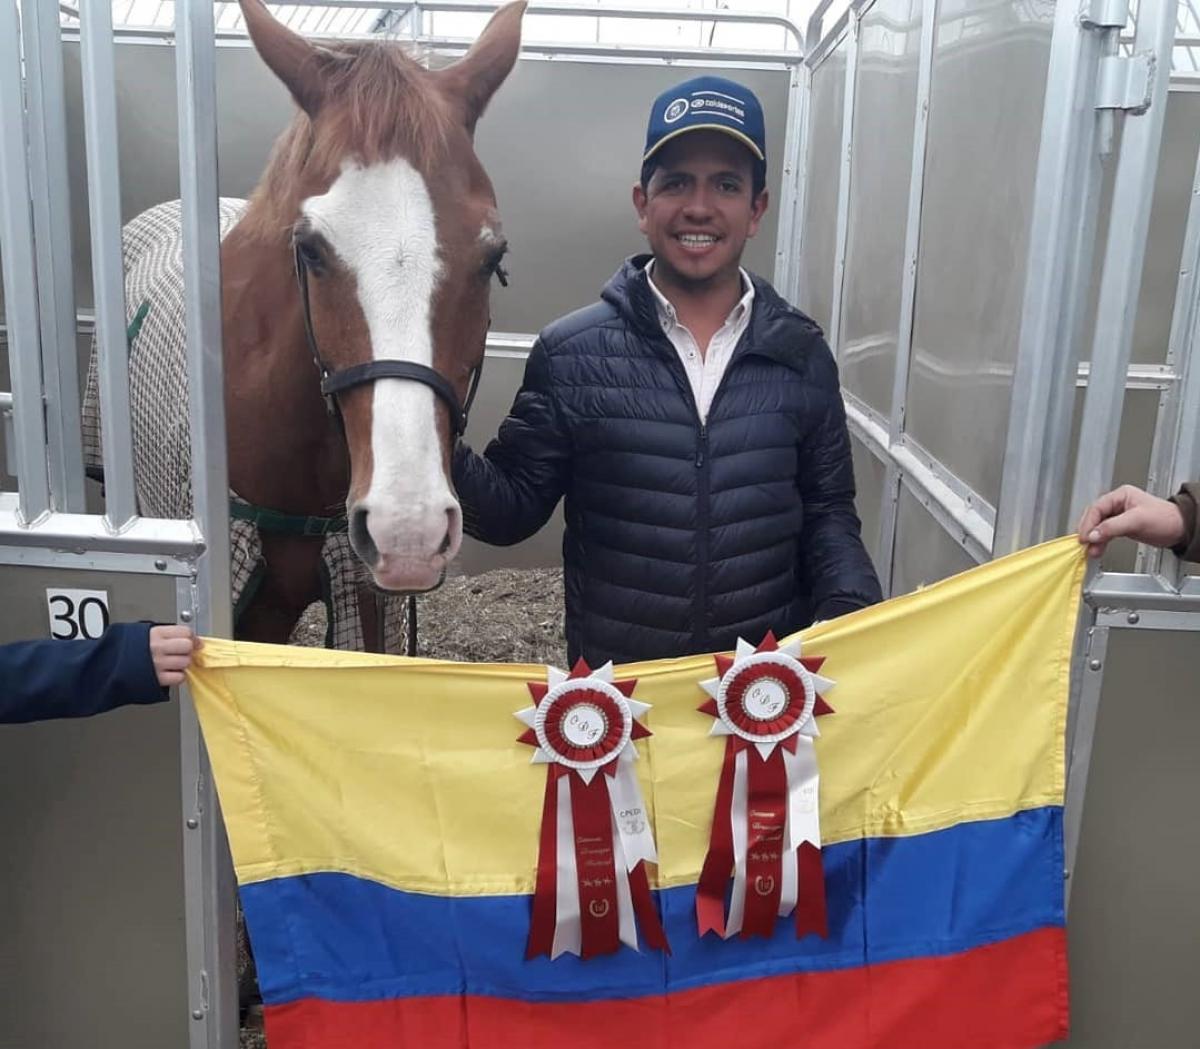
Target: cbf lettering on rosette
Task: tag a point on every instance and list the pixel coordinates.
(591, 892)
(766, 822)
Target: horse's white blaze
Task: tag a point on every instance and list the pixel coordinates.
(380, 220)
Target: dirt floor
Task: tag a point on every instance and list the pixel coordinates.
(504, 616)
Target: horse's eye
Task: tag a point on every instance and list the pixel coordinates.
(493, 267)
(310, 255)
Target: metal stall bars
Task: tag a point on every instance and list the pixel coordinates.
(1138, 84)
(147, 568)
(1087, 83)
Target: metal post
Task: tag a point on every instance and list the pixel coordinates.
(104, 192)
(790, 183)
(1058, 269)
(208, 872)
(52, 225)
(1087, 680)
(843, 207)
(1120, 282)
(796, 291)
(1175, 455)
(20, 286)
(908, 288)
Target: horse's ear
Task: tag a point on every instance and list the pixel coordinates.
(290, 57)
(473, 79)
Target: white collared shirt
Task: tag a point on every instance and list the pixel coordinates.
(704, 370)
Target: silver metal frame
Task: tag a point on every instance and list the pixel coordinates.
(792, 183)
(42, 525)
(210, 886)
(1175, 452)
(47, 134)
(1063, 225)
(20, 287)
(843, 204)
(886, 541)
(1088, 85)
(1120, 282)
(104, 197)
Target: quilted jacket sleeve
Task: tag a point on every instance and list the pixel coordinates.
(510, 491)
(40, 680)
(1188, 500)
(834, 561)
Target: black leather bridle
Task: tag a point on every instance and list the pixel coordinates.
(334, 382)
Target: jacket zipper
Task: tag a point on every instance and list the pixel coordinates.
(700, 628)
(700, 606)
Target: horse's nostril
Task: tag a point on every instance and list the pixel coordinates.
(360, 537)
(449, 539)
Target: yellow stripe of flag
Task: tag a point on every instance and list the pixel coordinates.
(950, 707)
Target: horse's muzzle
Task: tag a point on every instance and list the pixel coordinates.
(406, 551)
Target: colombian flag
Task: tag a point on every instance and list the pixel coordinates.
(384, 824)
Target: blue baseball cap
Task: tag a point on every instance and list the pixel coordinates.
(707, 103)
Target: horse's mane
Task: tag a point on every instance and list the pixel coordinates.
(379, 104)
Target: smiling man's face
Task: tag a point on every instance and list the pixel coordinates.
(698, 210)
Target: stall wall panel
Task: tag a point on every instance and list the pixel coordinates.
(870, 475)
(563, 168)
(989, 75)
(924, 553)
(1134, 932)
(884, 115)
(92, 946)
(823, 168)
(1132, 464)
(1168, 223)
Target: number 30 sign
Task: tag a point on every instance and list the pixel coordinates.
(76, 614)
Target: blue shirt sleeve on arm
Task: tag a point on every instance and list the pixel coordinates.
(41, 680)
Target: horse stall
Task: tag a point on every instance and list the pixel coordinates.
(989, 206)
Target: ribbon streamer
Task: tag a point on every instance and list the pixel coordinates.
(591, 893)
(766, 819)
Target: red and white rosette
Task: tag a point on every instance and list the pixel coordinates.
(766, 823)
(591, 892)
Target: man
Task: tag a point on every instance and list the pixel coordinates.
(128, 663)
(1132, 513)
(691, 418)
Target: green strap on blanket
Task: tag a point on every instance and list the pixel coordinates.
(273, 522)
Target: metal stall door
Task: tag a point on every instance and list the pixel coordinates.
(958, 317)
(118, 925)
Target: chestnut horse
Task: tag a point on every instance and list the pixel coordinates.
(371, 238)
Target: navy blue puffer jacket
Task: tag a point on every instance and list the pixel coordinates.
(680, 536)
